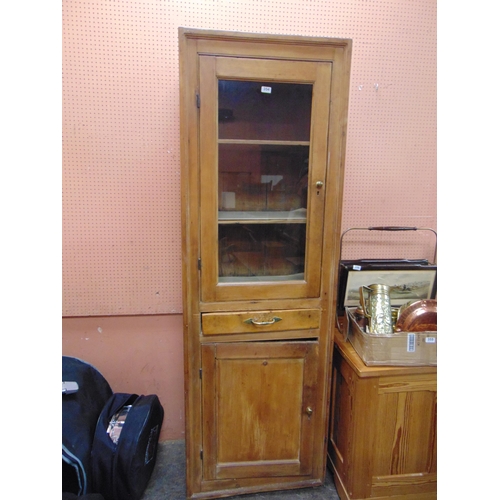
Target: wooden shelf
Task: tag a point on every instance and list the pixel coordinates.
(298, 216)
(263, 142)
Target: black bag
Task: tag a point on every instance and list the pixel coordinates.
(80, 412)
(109, 441)
(125, 445)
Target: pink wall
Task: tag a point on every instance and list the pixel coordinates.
(121, 170)
(136, 354)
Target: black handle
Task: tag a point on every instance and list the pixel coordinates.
(392, 228)
(387, 228)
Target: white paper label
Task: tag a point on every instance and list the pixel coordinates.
(273, 179)
(355, 267)
(228, 200)
(266, 90)
(411, 342)
(430, 340)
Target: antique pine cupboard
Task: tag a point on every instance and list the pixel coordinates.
(263, 127)
(382, 441)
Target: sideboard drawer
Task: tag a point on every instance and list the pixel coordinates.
(259, 321)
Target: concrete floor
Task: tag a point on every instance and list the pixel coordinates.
(168, 480)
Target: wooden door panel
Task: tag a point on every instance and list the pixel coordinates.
(271, 387)
(267, 69)
(405, 443)
(256, 400)
(341, 416)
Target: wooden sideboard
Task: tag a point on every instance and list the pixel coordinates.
(382, 441)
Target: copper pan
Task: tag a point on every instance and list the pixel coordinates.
(418, 316)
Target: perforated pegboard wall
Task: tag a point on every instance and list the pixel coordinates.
(121, 177)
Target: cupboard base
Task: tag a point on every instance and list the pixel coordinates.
(255, 486)
(342, 492)
(383, 433)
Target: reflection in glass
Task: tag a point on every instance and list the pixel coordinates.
(263, 161)
(264, 111)
(262, 177)
(260, 251)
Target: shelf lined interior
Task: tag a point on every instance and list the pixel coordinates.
(262, 177)
(263, 171)
(261, 250)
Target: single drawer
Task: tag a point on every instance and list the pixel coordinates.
(259, 321)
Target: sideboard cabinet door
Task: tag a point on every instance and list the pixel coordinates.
(258, 404)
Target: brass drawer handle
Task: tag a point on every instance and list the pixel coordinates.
(253, 321)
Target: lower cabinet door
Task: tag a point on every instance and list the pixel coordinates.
(259, 402)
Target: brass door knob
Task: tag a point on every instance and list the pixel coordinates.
(319, 184)
(309, 410)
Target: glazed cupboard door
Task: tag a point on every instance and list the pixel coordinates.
(263, 156)
(259, 403)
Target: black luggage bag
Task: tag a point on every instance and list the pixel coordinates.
(109, 440)
(124, 449)
(80, 412)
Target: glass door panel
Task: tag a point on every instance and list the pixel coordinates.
(262, 207)
(261, 252)
(263, 137)
(264, 125)
(264, 110)
(265, 178)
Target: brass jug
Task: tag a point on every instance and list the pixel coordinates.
(377, 309)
